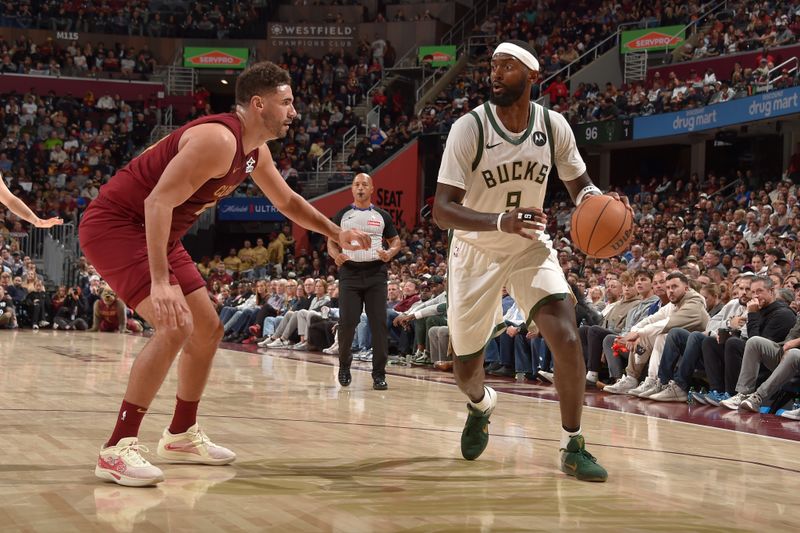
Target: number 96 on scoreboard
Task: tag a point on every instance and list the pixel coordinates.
(607, 131)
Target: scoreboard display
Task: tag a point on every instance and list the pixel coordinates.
(607, 131)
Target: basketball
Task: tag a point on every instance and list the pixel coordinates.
(602, 226)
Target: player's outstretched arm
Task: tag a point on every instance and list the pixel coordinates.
(19, 208)
(205, 152)
(298, 210)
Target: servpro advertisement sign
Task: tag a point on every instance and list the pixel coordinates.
(652, 39)
(437, 56)
(218, 57)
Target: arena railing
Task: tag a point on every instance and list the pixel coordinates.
(318, 183)
(794, 61)
(54, 250)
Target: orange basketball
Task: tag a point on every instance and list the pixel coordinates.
(602, 226)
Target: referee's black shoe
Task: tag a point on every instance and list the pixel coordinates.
(379, 383)
(344, 377)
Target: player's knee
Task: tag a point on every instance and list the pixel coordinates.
(175, 337)
(217, 332)
(792, 358)
(208, 334)
(568, 336)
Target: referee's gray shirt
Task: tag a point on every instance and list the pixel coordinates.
(372, 220)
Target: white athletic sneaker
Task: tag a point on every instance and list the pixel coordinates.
(643, 386)
(752, 403)
(654, 389)
(193, 446)
(622, 386)
(734, 401)
(333, 349)
(278, 343)
(794, 414)
(266, 342)
(300, 346)
(548, 376)
(124, 465)
(671, 393)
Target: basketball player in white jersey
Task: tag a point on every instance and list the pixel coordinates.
(19, 208)
(490, 192)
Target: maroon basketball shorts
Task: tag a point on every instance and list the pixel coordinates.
(117, 247)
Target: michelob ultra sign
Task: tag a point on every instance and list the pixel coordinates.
(216, 57)
(652, 39)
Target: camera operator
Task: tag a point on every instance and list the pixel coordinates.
(73, 313)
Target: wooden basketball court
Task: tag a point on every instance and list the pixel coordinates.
(315, 457)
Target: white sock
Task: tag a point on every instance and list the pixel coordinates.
(566, 435)
(487, 404)
(592, 376)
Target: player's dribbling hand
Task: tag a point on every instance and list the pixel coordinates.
(623, 199)
(48, 222)
(170, 309)
(353, 239)
(524, 221)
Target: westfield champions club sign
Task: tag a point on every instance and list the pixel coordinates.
(652, 39)
(215, 57)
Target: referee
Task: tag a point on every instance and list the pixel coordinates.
(362, 279)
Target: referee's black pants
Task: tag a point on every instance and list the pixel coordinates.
(363, 285)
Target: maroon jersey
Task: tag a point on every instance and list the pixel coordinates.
(108, 313)
(131, 185)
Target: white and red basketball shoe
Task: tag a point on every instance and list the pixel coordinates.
(193, 446)
(123, 464)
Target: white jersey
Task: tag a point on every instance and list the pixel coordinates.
(500, 170)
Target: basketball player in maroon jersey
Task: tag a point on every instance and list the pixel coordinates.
(131, 234)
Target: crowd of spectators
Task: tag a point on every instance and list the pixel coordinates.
(152, 18)
(55, 152)
(743, 26)
(590, 103)
(57, 58)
